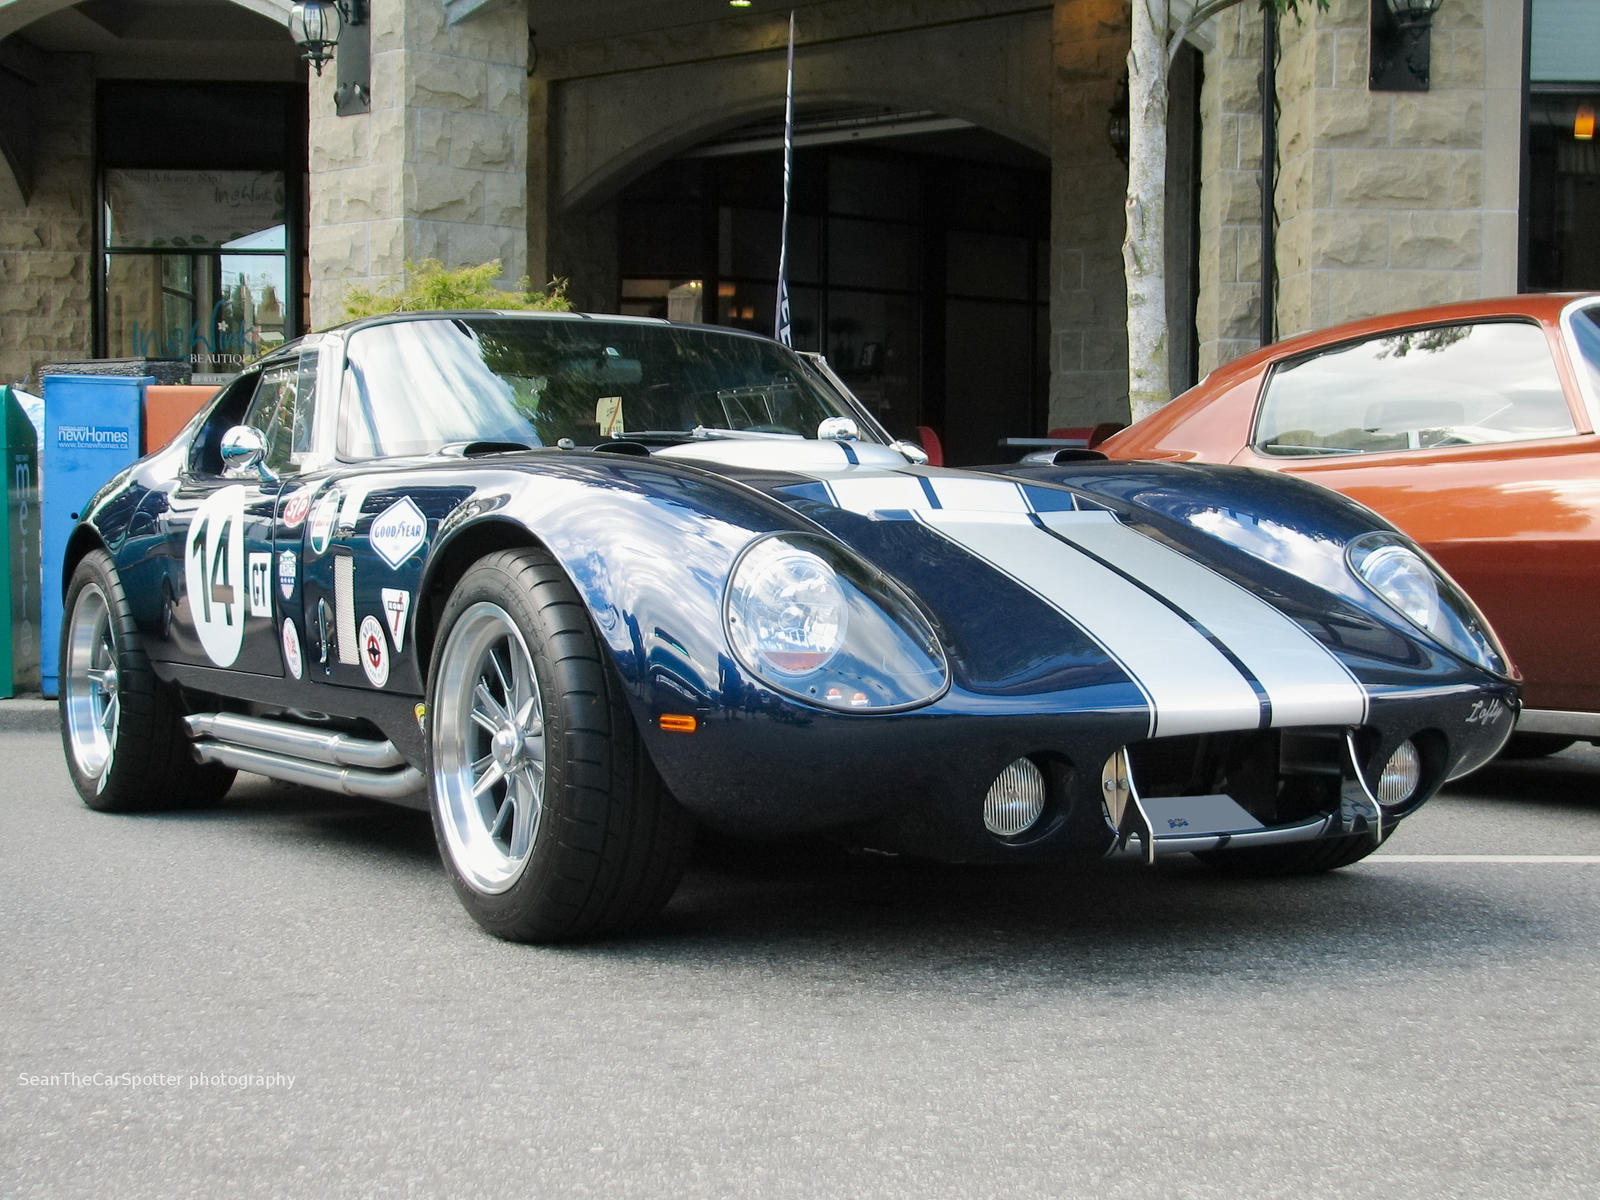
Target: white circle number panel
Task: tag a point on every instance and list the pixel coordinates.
(213, 574)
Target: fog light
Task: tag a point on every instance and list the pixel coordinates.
(1401, 775)
(1015, 800)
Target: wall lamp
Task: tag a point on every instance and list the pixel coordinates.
(316, 26)
(1400, 45)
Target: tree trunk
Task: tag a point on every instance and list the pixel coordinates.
(1144, 249)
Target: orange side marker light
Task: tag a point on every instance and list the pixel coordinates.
(680, 722)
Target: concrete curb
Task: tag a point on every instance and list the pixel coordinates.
(28, 714)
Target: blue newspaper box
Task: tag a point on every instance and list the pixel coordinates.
(91, 431)
(19, 549)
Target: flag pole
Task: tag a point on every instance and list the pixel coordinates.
(784, 332)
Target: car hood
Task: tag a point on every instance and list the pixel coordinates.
(1036, 583)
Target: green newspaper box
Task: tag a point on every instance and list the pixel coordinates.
(19, 550)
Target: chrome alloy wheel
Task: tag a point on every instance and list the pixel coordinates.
(90, 702)
(488, 748)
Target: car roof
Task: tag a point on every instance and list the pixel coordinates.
(1545, 307)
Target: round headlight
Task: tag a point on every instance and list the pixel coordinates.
(1413, 585)
(817, 623)
(1404, 580)
(787, 609)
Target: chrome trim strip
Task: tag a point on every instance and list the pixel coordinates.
(295, 741)
(1572, 724)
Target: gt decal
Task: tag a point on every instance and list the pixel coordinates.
(374, 651)
(214, 574)
(396, 605)
(398, 530)
(260, 568)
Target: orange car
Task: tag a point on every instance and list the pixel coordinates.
(1470, 426)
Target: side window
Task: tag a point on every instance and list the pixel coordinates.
(282, 410)
(1444, 385)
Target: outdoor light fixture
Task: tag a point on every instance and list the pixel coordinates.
(1583, 123)
(316, 26)
(1400, 45)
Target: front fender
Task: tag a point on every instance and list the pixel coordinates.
(648, 548)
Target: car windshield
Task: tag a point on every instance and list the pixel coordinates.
(415, 386)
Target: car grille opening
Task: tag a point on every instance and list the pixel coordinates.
(1277, 776)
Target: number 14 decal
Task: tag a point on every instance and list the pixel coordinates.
(214, 574)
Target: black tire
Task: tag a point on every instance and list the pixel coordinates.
(1535, 745)
(571, 833)
(1296, 858)
(121, 727)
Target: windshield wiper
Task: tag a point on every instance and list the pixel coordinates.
(710, 433)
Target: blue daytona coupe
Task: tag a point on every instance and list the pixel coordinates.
(579, 585)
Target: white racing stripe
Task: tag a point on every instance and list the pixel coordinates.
(1305, 684)
(1113, 583)
(1192, 686)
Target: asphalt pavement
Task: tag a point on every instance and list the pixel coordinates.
(281, 997)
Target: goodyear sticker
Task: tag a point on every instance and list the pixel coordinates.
(398, 531)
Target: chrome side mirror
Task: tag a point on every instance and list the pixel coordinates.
(245, 450)
(838, 429)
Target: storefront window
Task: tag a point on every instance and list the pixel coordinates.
(1563, 240)
(197, 223)
(196, 264)
(916, 273)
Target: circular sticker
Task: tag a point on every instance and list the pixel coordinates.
(214, 575)
(322, 519)
(291, 650)
(374, 651)
(296, 508)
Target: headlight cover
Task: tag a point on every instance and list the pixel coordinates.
(814, 622)
(1407, 580)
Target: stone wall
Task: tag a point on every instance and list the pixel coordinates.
(1228, 309)
(46, 240)
(1385, 200)
(438, 168)
(1088, 294)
